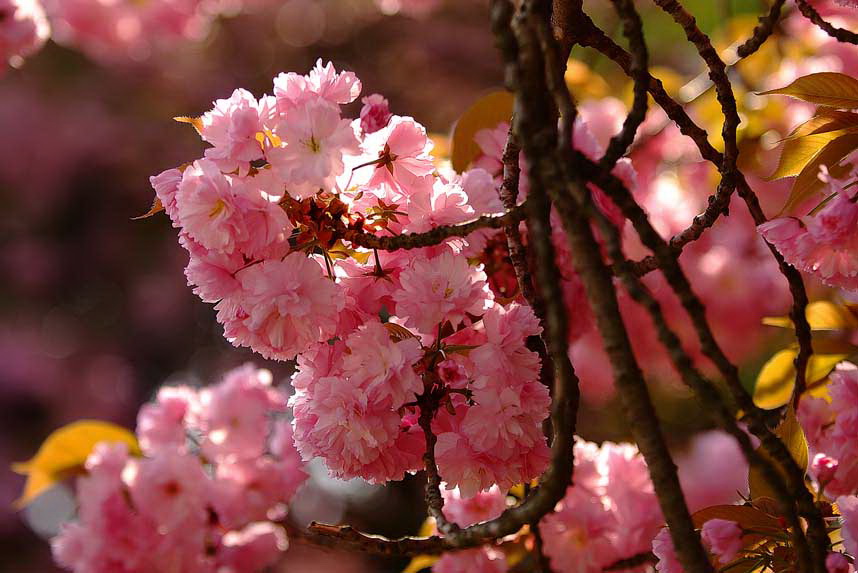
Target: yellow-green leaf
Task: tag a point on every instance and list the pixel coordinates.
(420, 562)
(65, 451)
(197, 122)
(808, 183)
(821, 315)
(824, 121)
(776, 380)
(797, 153)
(825, 88)
(341, 251)
(486, 113)
(156, 207)
(826, 315)
(790, 432)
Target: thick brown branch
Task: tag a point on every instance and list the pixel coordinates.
(543, 147)
(839, 34)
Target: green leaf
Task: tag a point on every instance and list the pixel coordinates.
(825, 88)
(486, 113)
(64, 452)
(790, 432)
(808, 183)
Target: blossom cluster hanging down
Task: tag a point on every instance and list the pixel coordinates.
(217, 468)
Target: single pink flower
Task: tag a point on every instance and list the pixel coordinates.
(724, 538)
(375, 113)
(662, 547)
(444, 288)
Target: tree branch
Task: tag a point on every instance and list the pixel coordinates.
(434, 235)
(839, 34)
(762, 31)
(543, 144)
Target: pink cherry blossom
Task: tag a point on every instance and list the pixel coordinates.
(315, 138)
(662, 547)
(466, 511)
(231, 127)
(404, 163)
(212, 274)
(823, 244)
(166, 184)
(483, 560)
(169, 489)
(440, 204)
(375, 113)
(576, 537)
(285, 306)
(180, 510)
(323, 82)
(235, 413)
(382, 367)
(723, 537)
(444, 288)
(339, 423)
(254, 548)
(491, 143)
(117, 31)
(207, 207)
(161, 424)
(848, 506)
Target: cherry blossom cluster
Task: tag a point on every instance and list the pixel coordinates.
(824, 244)
(269, 217)
(831, 427)
(217, 469)
(611, 513)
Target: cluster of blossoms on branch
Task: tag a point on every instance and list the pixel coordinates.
(218, 467)
(272, 218)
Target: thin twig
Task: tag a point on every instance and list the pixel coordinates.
(762, 31)
(839, 34)
(434, 235)
(633, 30)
